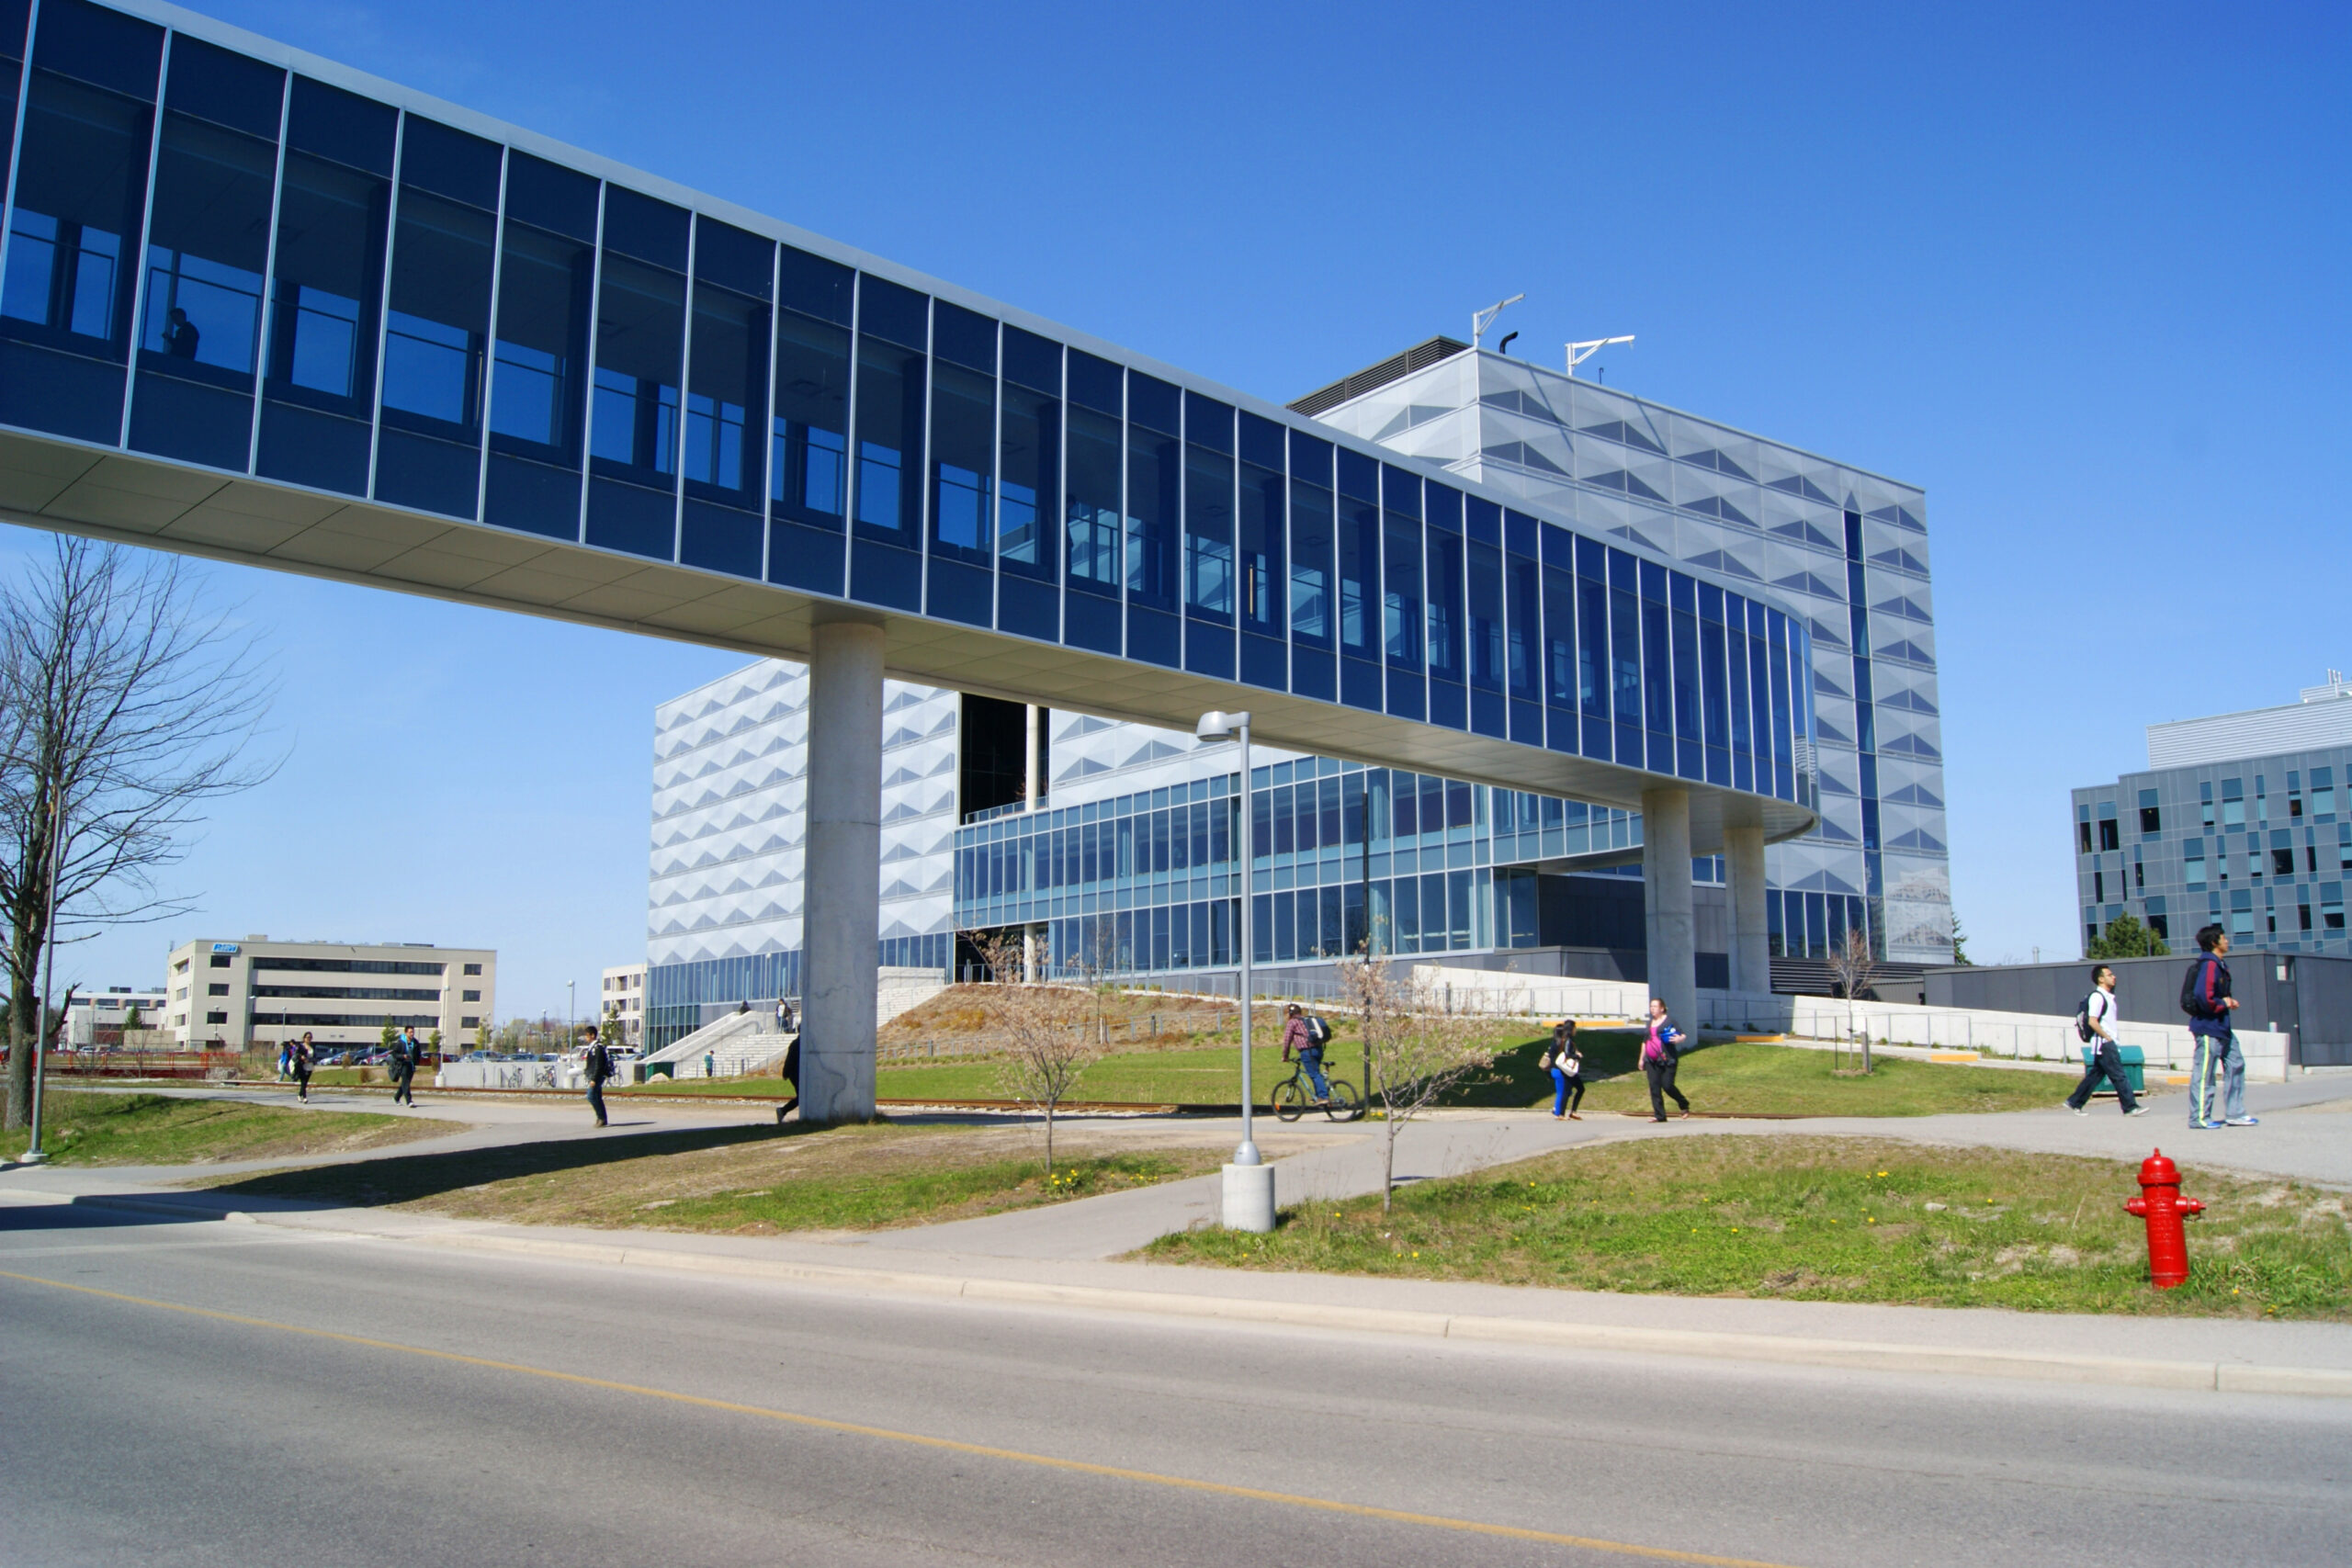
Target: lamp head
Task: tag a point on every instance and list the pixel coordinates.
(1215, 725)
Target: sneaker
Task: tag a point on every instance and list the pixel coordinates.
(2137, 1111)
(2244, 1122)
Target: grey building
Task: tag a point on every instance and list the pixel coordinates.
(2239, 820)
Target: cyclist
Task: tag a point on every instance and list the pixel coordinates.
(1298, 1034)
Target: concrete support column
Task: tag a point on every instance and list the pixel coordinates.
(841, 896)
(1665, 903)
(1751, 947)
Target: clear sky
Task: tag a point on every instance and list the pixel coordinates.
(2078, 270)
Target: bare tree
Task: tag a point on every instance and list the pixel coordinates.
(1854, 967)
(1046, 1050)
(1415, 1050)
(124, 709)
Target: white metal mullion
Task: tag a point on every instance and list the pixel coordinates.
(384, 302)
(588, 370)
(16, 143)
(768, 418)
(490, 342)
(138, 244)
(269, 324)
(686, 375)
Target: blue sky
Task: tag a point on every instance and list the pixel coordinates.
(2080, 271)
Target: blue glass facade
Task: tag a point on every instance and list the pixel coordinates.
(241, 267)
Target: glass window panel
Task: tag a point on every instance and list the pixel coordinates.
(1445, 602)
(963, 441)
(1152, 543)
(640, 340)
(1208, 530)
(1485, 602)
(889, 443)
(537, 390)
(1029, 458)
(439, 325)
(1310, 564)
(1359, 606)
(1260, 545)
(810, 435)
(1095, 443)
(726, 393)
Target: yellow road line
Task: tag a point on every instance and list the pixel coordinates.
(949, 1445)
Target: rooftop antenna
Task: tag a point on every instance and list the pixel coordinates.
(1481, 320)
(1580, 352)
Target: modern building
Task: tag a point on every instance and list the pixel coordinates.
(229, 994)
(622, 998)
(378, 337)
(94, 1019)
(2243, 818)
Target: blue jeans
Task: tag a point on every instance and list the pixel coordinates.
(1311, 1058)
(2216, 1054)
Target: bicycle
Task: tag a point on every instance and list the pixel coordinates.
(1295, 1096)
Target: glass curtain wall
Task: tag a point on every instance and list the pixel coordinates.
(67, 299)
(547, 283)
(207, 254)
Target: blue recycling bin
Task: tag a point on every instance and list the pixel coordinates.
(2135, 1066)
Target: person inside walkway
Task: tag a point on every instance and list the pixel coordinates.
(305, 1058)
(2205, 998)
(407, 1051)
(1298, 1034)
(1565, 1061)
(1660, 1056)
(2106, 1061)
(595, 1066)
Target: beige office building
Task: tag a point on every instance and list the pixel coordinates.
(258, 992)
(624, 998)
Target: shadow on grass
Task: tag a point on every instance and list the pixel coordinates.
(400, 1178)
(1516, 1081)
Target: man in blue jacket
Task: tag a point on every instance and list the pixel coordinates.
(2205, 998)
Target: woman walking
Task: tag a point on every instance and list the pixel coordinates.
(1659, 1058)
(302, 1059)
(1566, 1063)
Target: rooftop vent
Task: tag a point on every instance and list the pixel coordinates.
(1419, 357)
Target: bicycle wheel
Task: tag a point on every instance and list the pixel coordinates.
(1346, 1105)
(1290, 1099)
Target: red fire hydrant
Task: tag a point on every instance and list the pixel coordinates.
(2161, 1203)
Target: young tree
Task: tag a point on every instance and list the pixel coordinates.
(1853, 966)
(1415, 1048)
(124, 708)
(1045, 1051)
(2125, 937)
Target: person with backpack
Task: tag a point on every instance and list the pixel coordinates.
(1565, 1062)
(407, 1051)
(1306, 1034)
(2097, 1021)
(2205, 998)
(1661, 1054)
(596, 1067)
(304, 1058)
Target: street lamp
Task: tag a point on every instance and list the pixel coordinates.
(1249, 1180)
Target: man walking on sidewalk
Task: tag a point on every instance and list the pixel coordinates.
(2106, 1061)
(2205, 998)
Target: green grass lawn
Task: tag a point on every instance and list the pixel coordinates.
(752, 1180)
(1825, 1219)
(153, 1129)
(1732, 1079)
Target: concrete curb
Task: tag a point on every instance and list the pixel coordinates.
(1778, 1349)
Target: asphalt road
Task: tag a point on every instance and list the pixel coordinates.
(370, 1402)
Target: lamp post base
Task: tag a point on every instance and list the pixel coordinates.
(1250, 1198)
